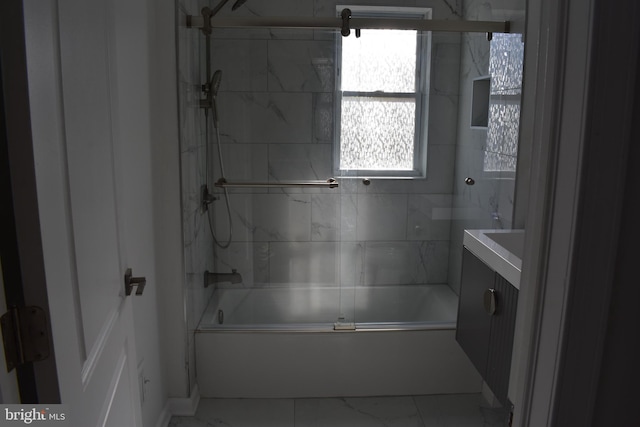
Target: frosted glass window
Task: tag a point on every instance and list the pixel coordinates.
(377, 133)
(380, 98)
(506, 58)
(383, 60)
(505, 67)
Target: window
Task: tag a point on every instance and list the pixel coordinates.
(382, 80)
(505, 67)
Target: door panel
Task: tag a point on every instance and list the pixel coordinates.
(501, 339)
(73, 80)
(90, 142)
(474, 325)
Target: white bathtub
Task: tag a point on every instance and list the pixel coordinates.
(282, 342)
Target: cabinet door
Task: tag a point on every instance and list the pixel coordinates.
(474, 324)
(501, 338)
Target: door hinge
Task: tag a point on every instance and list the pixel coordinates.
(25, 335)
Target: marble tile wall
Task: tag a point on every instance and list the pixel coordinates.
(276, 123)
(486, 155)
(276, 111)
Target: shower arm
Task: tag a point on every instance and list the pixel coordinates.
(358, 23)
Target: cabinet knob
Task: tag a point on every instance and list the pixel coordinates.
(490, 303)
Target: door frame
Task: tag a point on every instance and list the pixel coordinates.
(577, 129)
(22, 255)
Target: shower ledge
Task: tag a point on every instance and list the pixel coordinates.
(499, 249)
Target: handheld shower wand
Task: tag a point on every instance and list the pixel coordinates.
(214, 86)
(211, 90)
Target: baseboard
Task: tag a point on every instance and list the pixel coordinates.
(179, 406)
(184, 407)
(164, 418)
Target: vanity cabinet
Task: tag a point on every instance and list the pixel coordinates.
(486, 322)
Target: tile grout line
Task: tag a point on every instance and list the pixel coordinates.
(295, 404)
(415, 404)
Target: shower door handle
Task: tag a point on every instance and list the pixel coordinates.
(130, 282)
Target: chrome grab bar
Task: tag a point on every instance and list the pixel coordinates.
(329, 183)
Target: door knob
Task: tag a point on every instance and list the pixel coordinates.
(130, 282)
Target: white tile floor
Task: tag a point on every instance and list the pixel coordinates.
(460, 410)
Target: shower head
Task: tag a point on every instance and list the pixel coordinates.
(237, 4)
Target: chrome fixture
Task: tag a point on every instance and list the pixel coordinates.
(204, 20)
(329, 183)
(210, 90)
(344, 23)
(131, 282)
(206, 198)
(212, 278)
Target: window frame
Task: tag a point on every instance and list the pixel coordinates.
(420, 95)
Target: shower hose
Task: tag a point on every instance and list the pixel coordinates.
(226, 193)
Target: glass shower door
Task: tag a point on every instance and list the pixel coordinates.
(380, 150)
(350, 254)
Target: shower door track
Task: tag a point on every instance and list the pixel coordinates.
(356, 23)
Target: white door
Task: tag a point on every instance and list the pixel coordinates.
(78, 57)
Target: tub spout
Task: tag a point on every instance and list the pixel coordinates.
(212, 278)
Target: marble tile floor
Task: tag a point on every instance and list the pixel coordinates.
(458, 410)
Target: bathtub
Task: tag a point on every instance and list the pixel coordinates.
(326, 341)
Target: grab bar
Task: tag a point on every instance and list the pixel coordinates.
(329, 183)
